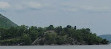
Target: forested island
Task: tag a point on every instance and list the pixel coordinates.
(12, 34)
(24, 35)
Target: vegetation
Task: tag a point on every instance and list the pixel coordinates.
(5, 22)
(24, 35)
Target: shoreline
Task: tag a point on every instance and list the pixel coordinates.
(56, 45)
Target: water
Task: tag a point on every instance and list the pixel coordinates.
(58, 47)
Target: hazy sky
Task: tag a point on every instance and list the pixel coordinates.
(93, 14)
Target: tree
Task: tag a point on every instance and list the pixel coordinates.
(26, 40)
(75, 27)
(51, 27)
(58, 30)
(69, 26)
(50, 38)
(104, 41)
(33, 33)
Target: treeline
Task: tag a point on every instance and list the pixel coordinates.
(24, 35)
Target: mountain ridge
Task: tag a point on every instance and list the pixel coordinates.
(6, 23)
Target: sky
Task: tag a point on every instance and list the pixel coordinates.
(93, 14)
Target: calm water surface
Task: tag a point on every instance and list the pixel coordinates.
(58, 47)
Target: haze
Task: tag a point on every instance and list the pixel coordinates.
(93, 14)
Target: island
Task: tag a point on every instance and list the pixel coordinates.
(13, 35)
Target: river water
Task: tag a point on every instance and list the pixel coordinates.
(59, 47)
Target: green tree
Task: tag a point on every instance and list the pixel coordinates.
(51, 27)
(26, 40)
(50, 38)
(33, 33)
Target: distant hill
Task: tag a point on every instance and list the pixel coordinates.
(5, 22)
(108, 37)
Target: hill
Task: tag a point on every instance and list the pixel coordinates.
(108, 37)
(5, 22)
